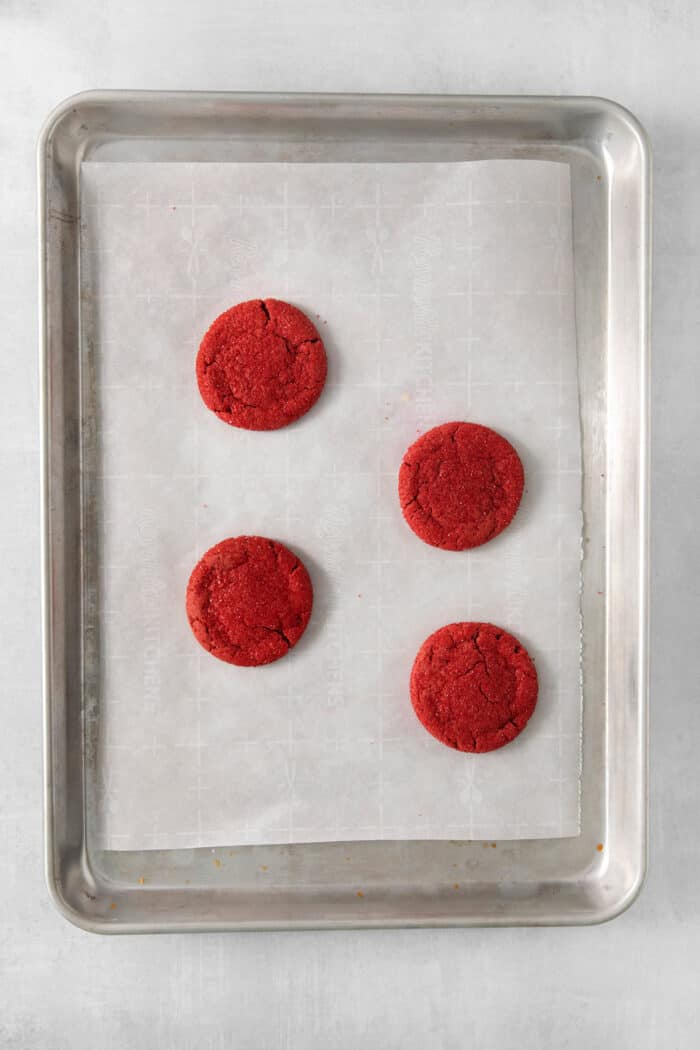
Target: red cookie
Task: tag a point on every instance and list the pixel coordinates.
(473, 686)
(261, 365)
(249, 600)
(460, 485)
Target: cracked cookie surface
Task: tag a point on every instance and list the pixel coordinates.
(261, 365)
(249, 600)
(473, 686)
(460, 484)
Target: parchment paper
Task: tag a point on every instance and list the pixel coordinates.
(442, 292)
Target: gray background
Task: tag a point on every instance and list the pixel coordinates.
(632, 983)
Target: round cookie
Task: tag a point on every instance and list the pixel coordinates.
(473, 686)
(261, 365)
(460, 484)
(249, 600)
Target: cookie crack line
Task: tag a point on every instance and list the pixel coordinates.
(294, 348)
(475, 640)
(275, 630)
(230, 394)
(212, 644)
(277, 551)
(480, 737)
(427, 512)
(285, 339)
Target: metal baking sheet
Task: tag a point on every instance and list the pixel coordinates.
(584, 879)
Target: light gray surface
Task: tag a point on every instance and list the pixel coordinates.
(629, 984)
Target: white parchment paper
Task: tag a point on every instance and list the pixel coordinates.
(442, 292)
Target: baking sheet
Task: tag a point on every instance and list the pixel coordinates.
(444, 291)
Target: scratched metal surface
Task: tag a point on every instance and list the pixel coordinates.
(632, 982)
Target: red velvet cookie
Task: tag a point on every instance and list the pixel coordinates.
(460, 485)
(261, 365)
(249, 600)
(473, 686)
